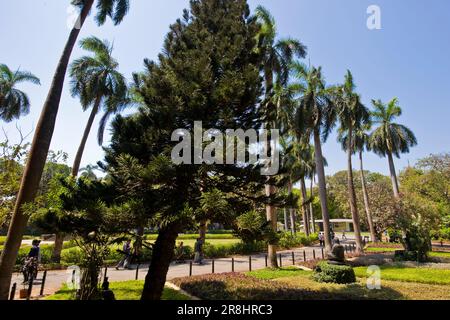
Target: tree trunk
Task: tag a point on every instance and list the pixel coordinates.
(59, 242)
(36, 159)
(393, 176)
(271, 215)
(291, 211)
(311, 207)
(162, 256)
(202, 230)
(87, 130)
(322, 189)
(373, 234)
(352, 193)
(305, 207)
(286, 224)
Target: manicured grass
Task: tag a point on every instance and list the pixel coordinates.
(404, 274)
(376, 249)
(209, 236)
(439, 254)
(270, 274)
(214, 242)
(390, 290)
(127, 290)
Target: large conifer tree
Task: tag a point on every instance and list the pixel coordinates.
(209, 71)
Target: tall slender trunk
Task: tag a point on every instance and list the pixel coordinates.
(322, 189)
(36, 159)
(271, 215)
(162, 256)
(57, 249)
(291, 210)
(87, 130)
(202, 230)
(311, 206)
(373, 234)
(286, 222)
(393, 175)
(352, 193)
(305, 206)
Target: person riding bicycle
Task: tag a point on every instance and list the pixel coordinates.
(32, 260)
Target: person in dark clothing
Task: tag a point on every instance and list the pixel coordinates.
(124, 262)
(198, 249)
(31, 264)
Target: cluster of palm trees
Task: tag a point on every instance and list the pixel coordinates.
(299, 102)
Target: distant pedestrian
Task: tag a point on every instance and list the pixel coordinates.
(321, 239)
(198, 249)
(125, 261)
(344, 237)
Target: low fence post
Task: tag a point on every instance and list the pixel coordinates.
(190, 268)
(304, 255)
(323, 254)
(232, 264)
(30, 287)
(314, 254)
(281, 260)
(13, 291)
(266, 260)
(137, 272)
(293, 258)
(44, 277)
(250, 263)
(212, 266)
(104, 276)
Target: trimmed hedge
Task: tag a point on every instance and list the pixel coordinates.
(329, 273)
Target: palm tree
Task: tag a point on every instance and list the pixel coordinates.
(390, 138)
(316, 116)
(98, 84)
(352, 114)
(116, 10)
(13, 102)
(360, 142)
(277, 57)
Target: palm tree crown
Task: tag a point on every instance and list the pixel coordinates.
(316, 109)
(115, 9)
(95, 79)
(390, 137)
(13, 102)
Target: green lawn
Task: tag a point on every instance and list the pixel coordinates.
(404, 274)
(397, 283)
(127, 290)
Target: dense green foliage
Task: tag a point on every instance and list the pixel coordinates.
(328, 273)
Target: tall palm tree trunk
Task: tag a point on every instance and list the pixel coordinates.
(373, 234)
(311, 206)
(393, 175)
(286, 222)
(36, 159)
(305, 207)
(271, 215)
(352, 194)
(322, 189)
(291, 210)
(87, 130)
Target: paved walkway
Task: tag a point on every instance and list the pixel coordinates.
(55, 279)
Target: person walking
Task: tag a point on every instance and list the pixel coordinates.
(321, 239)
(198, 249)
(125, 261)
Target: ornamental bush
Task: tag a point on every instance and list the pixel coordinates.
(329, 273)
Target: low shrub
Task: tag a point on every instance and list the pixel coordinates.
(329, 273)
(289, 240)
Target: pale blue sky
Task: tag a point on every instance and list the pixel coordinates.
(408, 58)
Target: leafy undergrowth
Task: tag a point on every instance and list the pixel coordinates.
(407, 274)
(127, 290)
